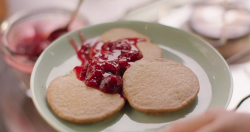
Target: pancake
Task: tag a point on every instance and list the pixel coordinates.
(73, 101)
(148, 49)
(159, 86)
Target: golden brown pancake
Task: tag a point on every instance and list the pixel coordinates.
(159, 86)
(72, 100)
(148, 49)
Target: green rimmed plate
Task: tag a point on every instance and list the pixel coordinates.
(211, 69)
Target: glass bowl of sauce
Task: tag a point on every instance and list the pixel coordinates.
(24, 35)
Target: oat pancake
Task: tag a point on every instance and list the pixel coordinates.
(148, 49)
(72, 100)
(159, 85)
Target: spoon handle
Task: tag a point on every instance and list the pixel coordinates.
(73, 16)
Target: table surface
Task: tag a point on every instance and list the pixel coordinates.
(18, 114)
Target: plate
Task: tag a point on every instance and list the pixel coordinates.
(209, 66)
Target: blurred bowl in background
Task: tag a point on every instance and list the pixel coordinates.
(24, 36)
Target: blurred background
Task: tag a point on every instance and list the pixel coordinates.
(225, 24)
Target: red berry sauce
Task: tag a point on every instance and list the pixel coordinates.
(56, 34)
(32, 46)
(104, 63)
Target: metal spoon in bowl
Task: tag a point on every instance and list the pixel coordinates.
(55, 34)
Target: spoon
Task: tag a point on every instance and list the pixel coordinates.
(55, 34)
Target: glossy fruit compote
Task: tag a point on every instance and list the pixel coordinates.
(104, 63)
